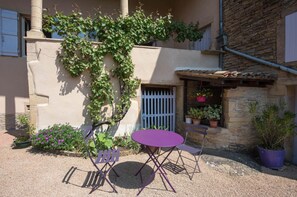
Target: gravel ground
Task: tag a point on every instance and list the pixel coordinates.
(25, 172)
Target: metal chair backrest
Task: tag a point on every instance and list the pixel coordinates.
(199, 129)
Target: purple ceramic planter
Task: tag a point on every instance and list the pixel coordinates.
(273, 159)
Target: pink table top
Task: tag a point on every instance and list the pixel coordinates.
(157, 138)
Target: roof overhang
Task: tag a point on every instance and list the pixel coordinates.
(228, 78)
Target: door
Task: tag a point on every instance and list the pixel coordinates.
(158, 108)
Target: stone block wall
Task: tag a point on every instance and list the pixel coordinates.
(256, 28)
(238, 133)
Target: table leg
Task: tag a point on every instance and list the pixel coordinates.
(159, 165)
(156, 159)
(146, 161)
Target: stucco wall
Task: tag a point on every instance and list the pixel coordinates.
(13, 90)
(204, 11)
(57, 98)
(8, 106)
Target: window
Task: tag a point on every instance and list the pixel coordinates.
(12, 32)
(205, 42)
(291, 37)
(9, 44)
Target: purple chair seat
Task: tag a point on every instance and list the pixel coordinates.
(196, 152)
(189, 149)
(107, 156)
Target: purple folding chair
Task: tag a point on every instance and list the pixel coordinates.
(196, 152)
(105, 157)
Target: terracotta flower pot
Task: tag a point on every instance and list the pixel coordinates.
(213, 123)
(196, 121)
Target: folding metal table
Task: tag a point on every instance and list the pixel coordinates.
(157, 138)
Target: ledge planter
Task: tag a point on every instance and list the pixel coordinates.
(22, 144)
(196, 121)
(188, 120)
(213, 123)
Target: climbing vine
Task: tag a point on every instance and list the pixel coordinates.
(117, 36)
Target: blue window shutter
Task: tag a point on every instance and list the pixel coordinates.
(291, 38)
(205, 42)
(9, 33)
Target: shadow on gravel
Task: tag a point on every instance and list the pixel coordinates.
(240, 164)
(127, 171)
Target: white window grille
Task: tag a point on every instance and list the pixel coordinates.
(291, 37)
(158, 108)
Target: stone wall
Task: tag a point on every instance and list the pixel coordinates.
(237, 133)
(256, 28)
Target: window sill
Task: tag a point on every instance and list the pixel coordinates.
(210, 130)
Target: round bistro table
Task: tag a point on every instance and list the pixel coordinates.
(161, 139)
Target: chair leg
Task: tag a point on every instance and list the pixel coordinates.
(103, 172)
(183, 163)
(113, 170)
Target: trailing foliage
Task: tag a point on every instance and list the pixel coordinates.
(117, 37)
(273, 124)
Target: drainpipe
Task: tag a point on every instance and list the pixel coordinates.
(36, 20)
(124, 7)
(259, 60)
(224, 43)
(221, 33)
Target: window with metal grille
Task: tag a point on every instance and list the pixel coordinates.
(158, 108)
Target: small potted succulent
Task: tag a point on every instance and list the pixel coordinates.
(196, 114)
(202, 94)
(213, 114)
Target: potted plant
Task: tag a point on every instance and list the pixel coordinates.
(188, 119)
(196, 114)
(24, 125)
(213, 114)
(202, 94)
(273, 125)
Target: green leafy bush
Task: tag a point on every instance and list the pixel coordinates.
(126, 142)
(59, 137)
(213, 112)
(196, 113)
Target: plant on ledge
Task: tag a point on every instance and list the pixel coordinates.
(213, 114)
(196, 114)
(117, 37)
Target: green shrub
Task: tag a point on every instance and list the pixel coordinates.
(126, 142)
(59, 137)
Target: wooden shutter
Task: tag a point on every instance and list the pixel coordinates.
(291, 37)
(9, 33)
(205, 42)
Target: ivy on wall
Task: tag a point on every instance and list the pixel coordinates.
(117, 37)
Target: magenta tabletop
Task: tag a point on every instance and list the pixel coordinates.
(157, 138)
